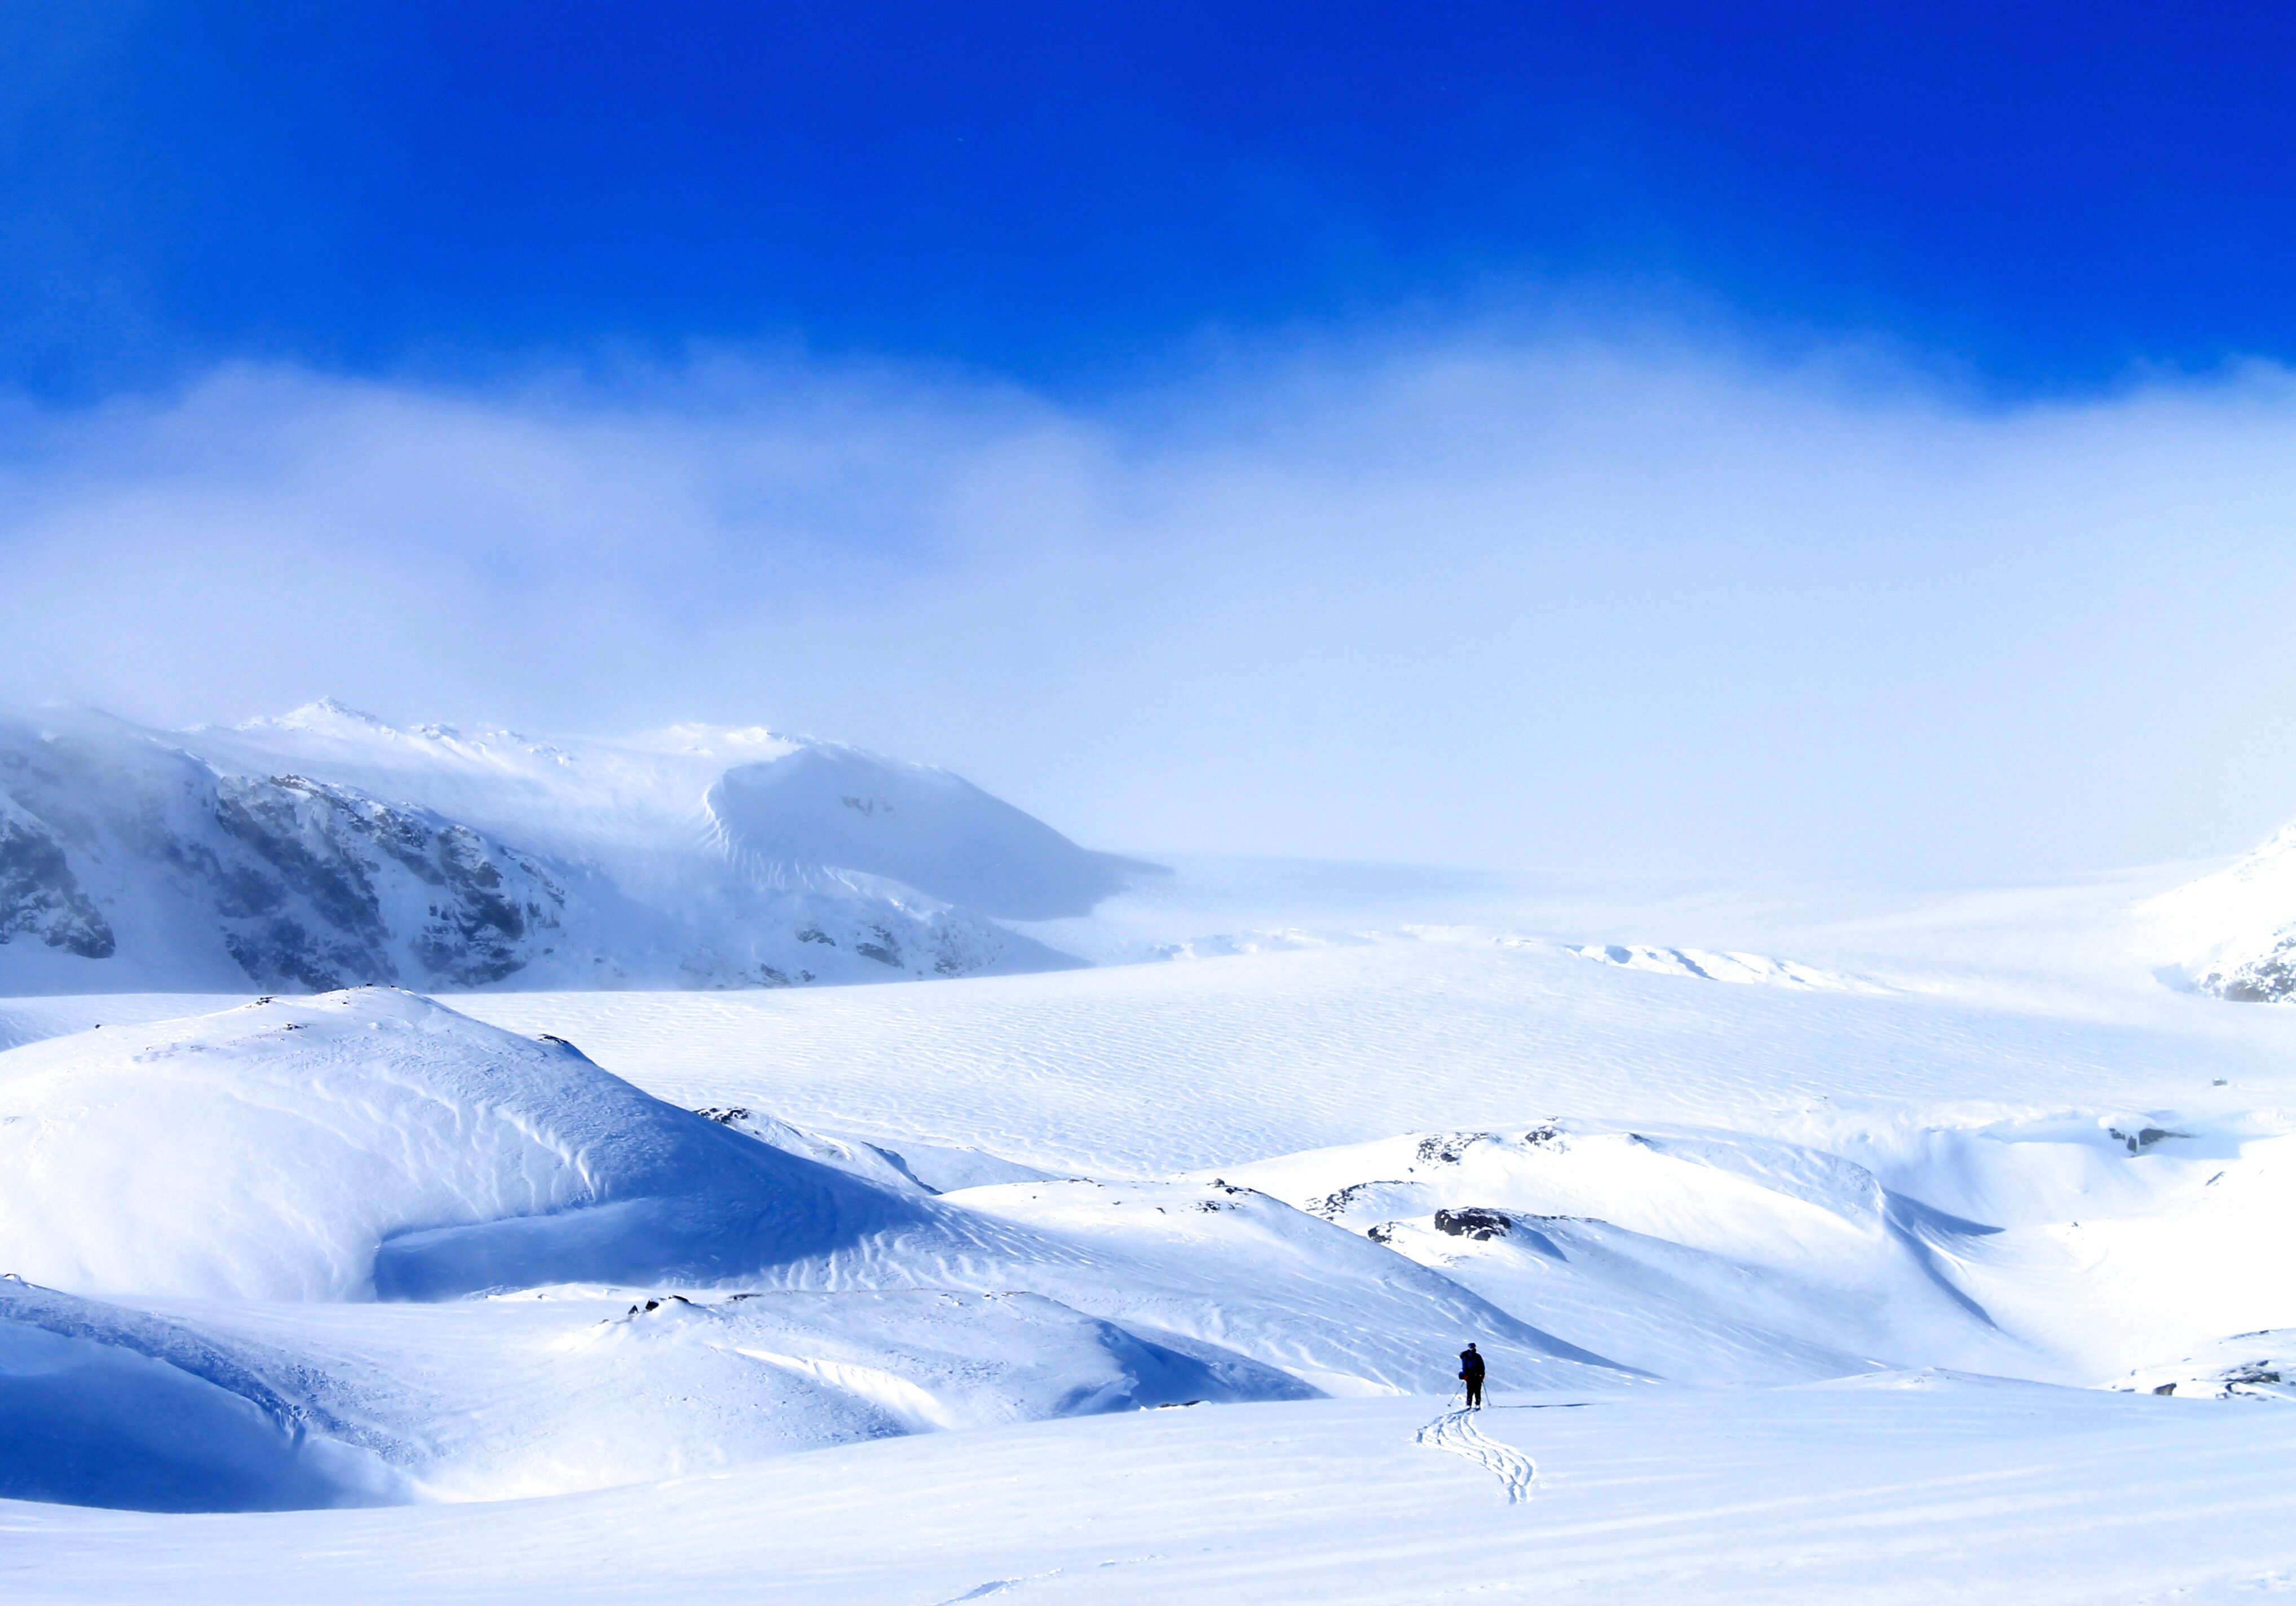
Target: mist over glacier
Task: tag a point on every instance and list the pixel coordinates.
(1595, 591)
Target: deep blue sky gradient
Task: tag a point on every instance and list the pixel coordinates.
(2040, 197)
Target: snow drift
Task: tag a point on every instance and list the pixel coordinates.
(372, 1143)
(100, 1405)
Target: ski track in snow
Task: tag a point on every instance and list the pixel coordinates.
(1458, 1433)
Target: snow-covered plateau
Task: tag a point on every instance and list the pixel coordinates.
(1932, 1250)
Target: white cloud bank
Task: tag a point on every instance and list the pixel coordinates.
(1632, 603)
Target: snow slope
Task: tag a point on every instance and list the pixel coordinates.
(100, 1405)
(260, 1176)
(375, 1143)
(2233, 933)
(326, 849)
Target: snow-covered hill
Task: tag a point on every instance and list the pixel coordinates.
(2233, 933)
(250, 1194)
(327, 849)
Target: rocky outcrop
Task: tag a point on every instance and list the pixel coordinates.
(2266, 977)
(40, 898)
(323, 887)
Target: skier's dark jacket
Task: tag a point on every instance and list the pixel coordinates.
(1470, 1366)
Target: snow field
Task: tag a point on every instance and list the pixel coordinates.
(894, 1316)
(1910, 1489)
(1149, 1069)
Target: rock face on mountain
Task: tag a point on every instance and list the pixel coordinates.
(40, 898)
(2266, 977)
(2233, 933)
(328, 850)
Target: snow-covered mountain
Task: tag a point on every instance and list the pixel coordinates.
(327, 849)
(2233, 933)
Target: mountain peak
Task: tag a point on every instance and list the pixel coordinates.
(328, 715)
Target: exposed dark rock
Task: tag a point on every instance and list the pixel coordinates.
(1446, 1148)
(1473, 1221)
(2269, 978)
(318, 860)
(1332, 1205)
(2144, 1138)
(39, 895)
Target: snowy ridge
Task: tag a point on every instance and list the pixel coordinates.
(1745, 968)
(327, 849)
(373, 1143)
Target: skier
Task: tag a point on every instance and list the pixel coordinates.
(1471, 1372)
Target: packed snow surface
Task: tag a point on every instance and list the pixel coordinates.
(1946, 1258)
(1914, 1488)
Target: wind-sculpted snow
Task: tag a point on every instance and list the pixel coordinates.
(370, 1143)
(1209, 1263)
(1702, 1257)
(522, 1395)
(329, 849)
(913, 1169)
(100, 1405)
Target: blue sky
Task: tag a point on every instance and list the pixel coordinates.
(1835, 440)
(2037, 197)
